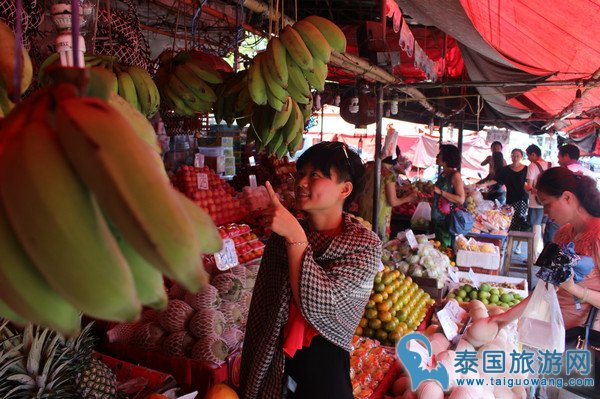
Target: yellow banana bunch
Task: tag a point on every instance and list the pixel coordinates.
(187, 83)
(136, 86)
(8, 64)
(90, 222)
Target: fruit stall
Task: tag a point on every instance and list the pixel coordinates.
(147, 170)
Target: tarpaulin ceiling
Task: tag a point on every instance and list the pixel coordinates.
(526, 38)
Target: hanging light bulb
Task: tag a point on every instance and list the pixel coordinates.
(318, 102)
(354, 107)
(394, 106)
(577, 104)
(337, 100)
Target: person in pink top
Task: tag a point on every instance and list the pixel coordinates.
(573, 201)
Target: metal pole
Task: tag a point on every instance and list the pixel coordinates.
(377, 179)
(440, 145)
(322, 120)
(460, 141)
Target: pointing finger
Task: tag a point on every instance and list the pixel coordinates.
(272, 195)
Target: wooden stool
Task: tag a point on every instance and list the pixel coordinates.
(519, 236)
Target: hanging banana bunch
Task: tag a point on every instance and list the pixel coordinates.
(91, 174)
(281, 79)
(132, 83)
(186, 83)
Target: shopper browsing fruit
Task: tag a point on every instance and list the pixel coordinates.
(449, 191)
(573, 201)
(313, 285)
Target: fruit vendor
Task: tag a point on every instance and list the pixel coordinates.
(387, 198)
(313, 285)
(449, 191)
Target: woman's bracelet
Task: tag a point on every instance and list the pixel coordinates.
(294, 243)
(585, 295)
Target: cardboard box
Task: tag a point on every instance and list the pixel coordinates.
(429, 285)
(484, 260)
(215, 163)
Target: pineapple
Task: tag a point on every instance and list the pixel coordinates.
(96, 381)
(37, 362)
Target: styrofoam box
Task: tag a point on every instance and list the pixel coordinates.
(211, 151)
(487, 278)
(485, 260)
(230, 170)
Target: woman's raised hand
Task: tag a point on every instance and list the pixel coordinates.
(280, 220)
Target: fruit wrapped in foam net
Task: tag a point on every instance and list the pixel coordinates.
(207, 322)
(178, 344)
(149, 336)
(229, 286)
(176, 316)
(208, 298)
(210, 349)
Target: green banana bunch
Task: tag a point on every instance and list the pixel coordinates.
(331, 32)
(234, 99)
(148, 97)
(277, 132)
(132, 83)
(8, 65)
(101, 151)
(187, 83)
(257, 87)
(296, 47)
(293, 63)
(79, 231)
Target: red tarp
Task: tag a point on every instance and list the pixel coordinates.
(558, 36)
(522, 40)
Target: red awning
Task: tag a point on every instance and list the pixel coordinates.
(523, 40)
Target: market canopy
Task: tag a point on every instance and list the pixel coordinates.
(521, 41)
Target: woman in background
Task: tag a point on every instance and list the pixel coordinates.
(449, 191)
(387, 198)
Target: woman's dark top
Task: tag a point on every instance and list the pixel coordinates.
(514, 182)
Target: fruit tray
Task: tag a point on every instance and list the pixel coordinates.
(125, 371)
(513, 284)
(189, 373)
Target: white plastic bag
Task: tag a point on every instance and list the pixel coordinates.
(541, 326)
(422, 215)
